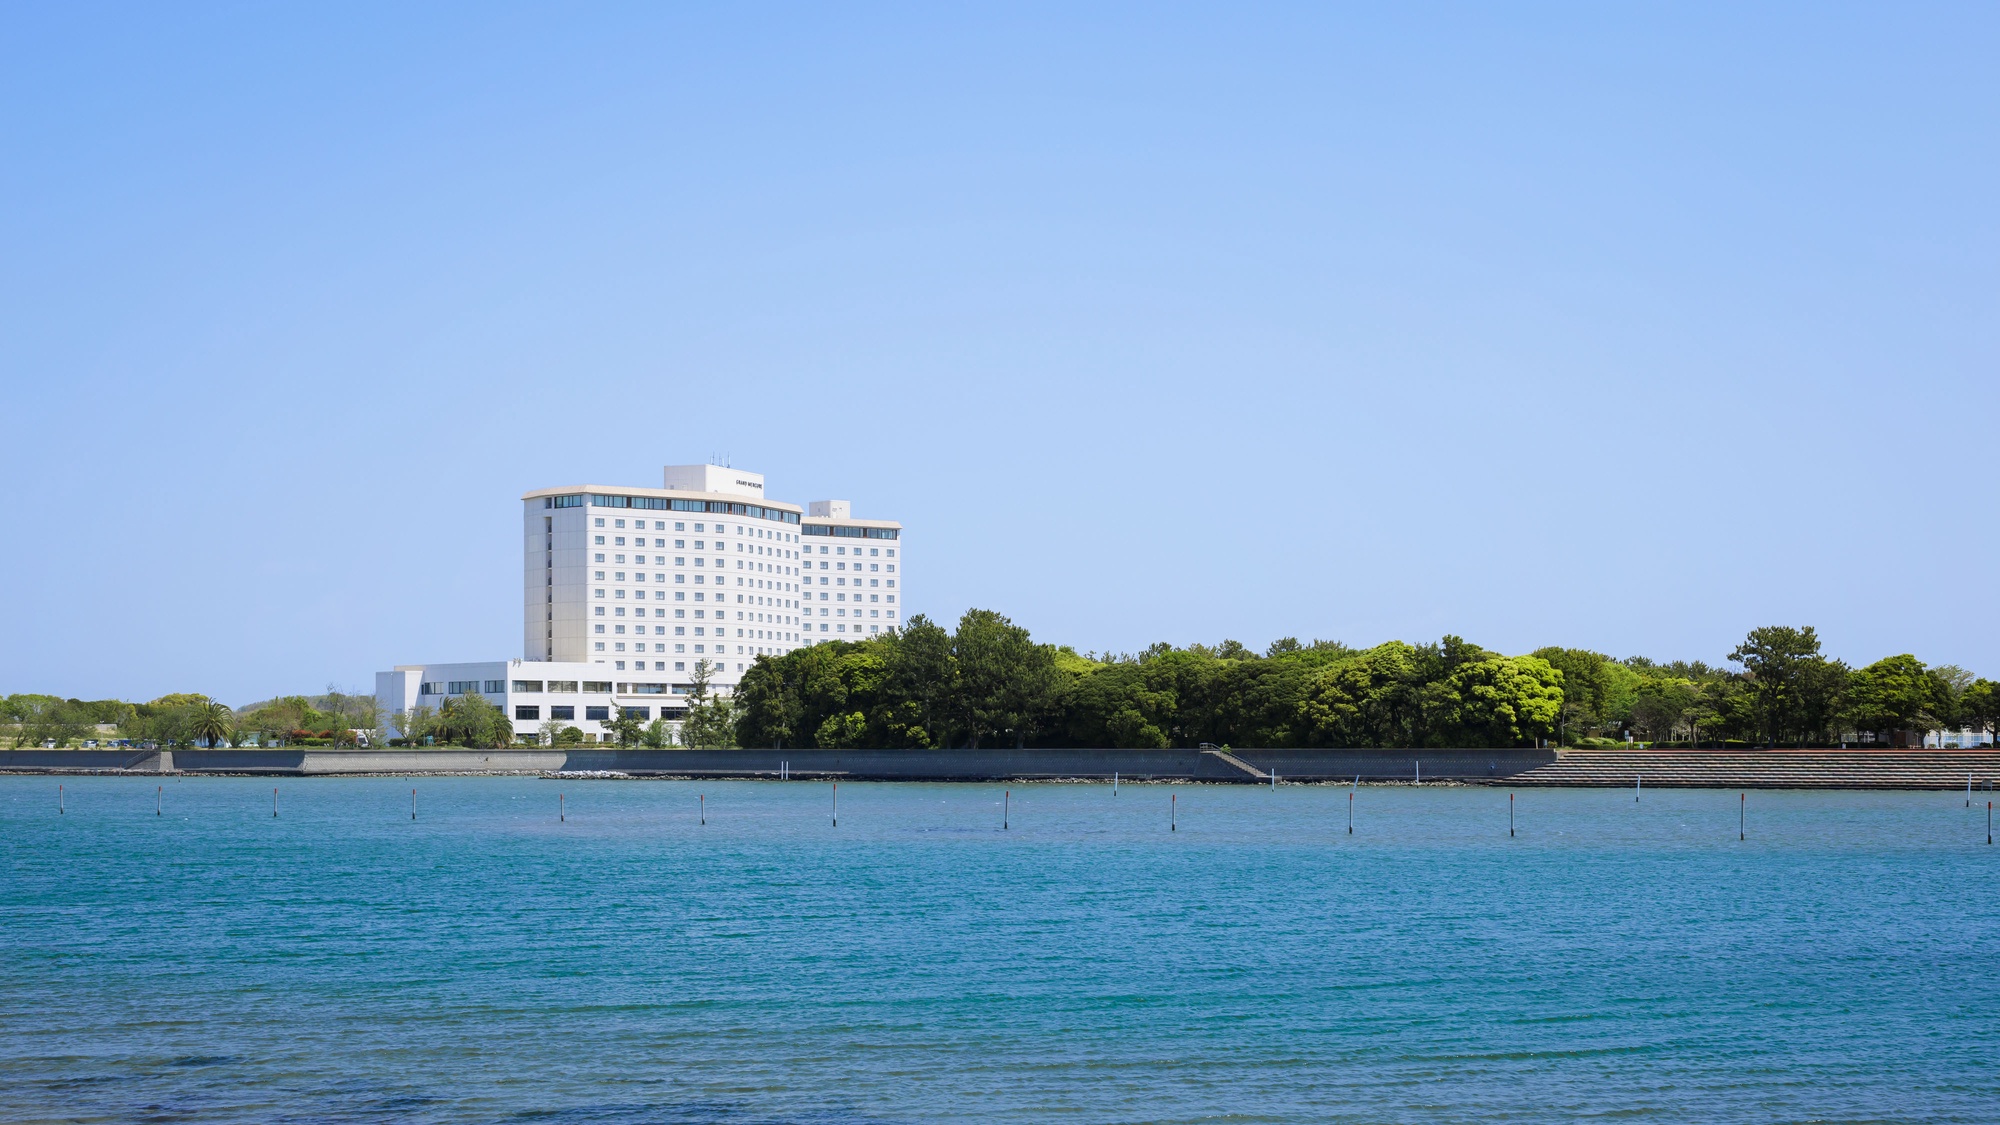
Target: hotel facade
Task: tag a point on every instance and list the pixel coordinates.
(625, 591)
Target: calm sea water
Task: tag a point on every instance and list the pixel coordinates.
(485, 962)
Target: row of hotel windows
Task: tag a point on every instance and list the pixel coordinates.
(754, 634)
(699, 529)
(663, 504)
(534, 687)
(552, 687)
(681, 560)
(640, 560)
(529, 713)
(758, 511)
(638, 576)
(773, 618)
(681, 630)
(720, 614)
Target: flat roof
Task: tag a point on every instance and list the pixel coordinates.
(663, 493)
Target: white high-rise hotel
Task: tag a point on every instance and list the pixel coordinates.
(627, 590)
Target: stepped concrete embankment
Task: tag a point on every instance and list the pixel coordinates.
(1736, 769)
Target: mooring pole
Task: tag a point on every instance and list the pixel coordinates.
(413, 804)
(1638, 783)
(1173, 812)
(836, 804)
(1742, 803)
(1350, 812)
(62, 809)
(274, 800)
(1114, 783)
(1006, 807)
(1510, 814)
(562, 814)
(701, 806)
(157, 791)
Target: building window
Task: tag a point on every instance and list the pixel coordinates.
(528, 686)
(530, 714)
(600, 646)
(597, 714)
(564, 711)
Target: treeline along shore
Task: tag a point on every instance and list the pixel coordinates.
(988, 684)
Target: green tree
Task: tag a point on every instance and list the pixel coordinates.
(1979, 706)
(212, 723)
(1893, 694)
(1008, 683)
(1502, 701)
(710, 722)
(1664, 707)
(415, 725)
(47, 718)
(474, 721)
(1789, 680)
(769, 702)
(1586, 690)
(920, 668)
(626, 729)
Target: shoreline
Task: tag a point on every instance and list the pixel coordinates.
(1703, 769)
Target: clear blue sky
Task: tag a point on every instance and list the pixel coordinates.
(1620, 326)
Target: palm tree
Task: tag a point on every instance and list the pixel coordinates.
(213, 722)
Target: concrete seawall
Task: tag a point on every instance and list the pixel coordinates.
(1788, 769)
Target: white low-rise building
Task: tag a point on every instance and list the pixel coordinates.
(627, 590)
(538, 695)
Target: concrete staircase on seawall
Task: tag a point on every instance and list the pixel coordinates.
(1768, 769)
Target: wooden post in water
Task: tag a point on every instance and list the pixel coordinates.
(1114, 783)
(836, 804)
(1989, 822)
(413, 804)
(274, 801)
(1968, 789)
(157, 791)
(1006, 808)
(1420, 772)
(61, 808)
(1638, 783)
(701, 806)
(1510, 815)
(1173, 812)
(562, 814)
(1742, 803)
(1350, 812)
